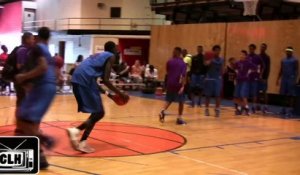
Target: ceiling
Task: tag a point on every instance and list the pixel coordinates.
(2, 2)
(199, 11)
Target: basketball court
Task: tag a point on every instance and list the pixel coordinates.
(130, 140)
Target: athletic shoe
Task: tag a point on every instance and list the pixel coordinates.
(247, 111)
(253, 110)
(73, 136)
(192, 105)
(162, 116)
(207, 112)
(238, 112)
(43, 161)
(180, 121)
(84, 147)
(282, 112)
(289, 114)
(217, 111)
(47, 141)
(265, 110)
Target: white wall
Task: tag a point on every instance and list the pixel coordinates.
(57, 9)
(130, 8)
(29, 4)
(63, 9)
(73, 49)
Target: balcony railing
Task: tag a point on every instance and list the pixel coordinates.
(165, 2)
(139, 24)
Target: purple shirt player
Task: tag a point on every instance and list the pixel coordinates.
(22, 54)
(244, 68)
(176, 71)
(258, 63)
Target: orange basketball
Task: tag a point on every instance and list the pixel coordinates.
(119, 100)
(59, 62)
(208, 55)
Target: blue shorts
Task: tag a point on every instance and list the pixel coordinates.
(197, 81)
(263, 86)
(287, 87)
(88, 99)
(253, 88)
(213, 88)
(37, 102)
(174, 97)
(241, 90)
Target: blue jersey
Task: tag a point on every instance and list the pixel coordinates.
(215, 69)
(49, 76)
(90, 69)
(289, 68)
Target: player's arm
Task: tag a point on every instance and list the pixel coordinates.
(297, 68)
(262, 69)
(59, 76)
(39, 69)
(124, 71)
(106, 76)
(183, 80)
(268, 63)
(279, 75)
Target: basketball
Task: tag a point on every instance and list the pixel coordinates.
(59, 62)
(208, 55)
(119, 100)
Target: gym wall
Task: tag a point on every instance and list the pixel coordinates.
(232, 37)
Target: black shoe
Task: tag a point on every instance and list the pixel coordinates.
(43, 162)
(180, 121)
(247, 111)
(238, 112)
(162, 116)
(48, 141)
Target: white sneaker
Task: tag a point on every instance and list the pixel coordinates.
(73, 136)
(85, 148)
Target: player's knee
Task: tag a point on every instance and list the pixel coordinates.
(97, 116)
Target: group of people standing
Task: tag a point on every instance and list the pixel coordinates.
(243, 79)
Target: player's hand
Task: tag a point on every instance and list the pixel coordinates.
(20, 78)
(124, 96)
(60, 81)
(27, 87)
(207, 62)
(181, 90)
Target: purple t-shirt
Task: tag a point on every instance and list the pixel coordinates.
(176, 71)
(22, 54)
(243, 68)
(257, 61)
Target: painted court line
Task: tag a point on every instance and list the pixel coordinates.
(134, 163)
(210, 164)
(231, 144)
(71, 169)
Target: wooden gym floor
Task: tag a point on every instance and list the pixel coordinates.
(230, 145)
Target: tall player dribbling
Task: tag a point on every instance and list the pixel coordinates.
(86, 91)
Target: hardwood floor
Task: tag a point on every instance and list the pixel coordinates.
(230, 145)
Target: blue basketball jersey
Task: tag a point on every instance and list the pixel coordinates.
(49, 76)
(215, 69)
(289, 68)
(90, 69)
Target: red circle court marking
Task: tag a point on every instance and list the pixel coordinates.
(110, 139)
